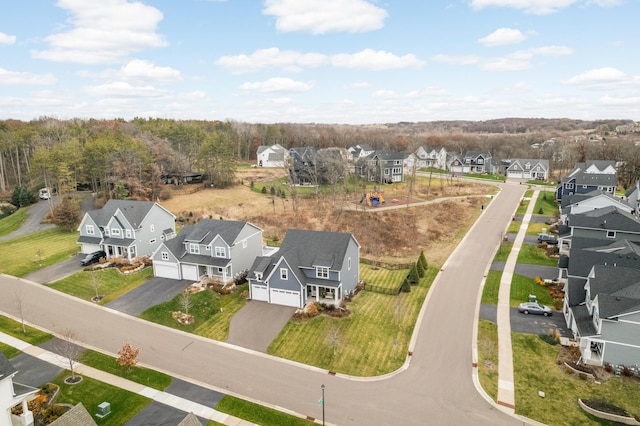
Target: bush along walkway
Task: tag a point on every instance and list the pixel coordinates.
(154, 394)
(506, 389)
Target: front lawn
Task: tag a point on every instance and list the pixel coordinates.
(386, 279)
(91, 392)
(212, 312)
(522, 287)
(14, 328)
(144, 376)
(488, 357)
(112, 284)
(536, 369)
(533, 255)
(14, 221)
(8, 351)
(546, 204)
(258, 414)
(373, 340)
(504, 250)
(26, 254)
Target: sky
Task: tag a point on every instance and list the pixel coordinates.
(320, 61)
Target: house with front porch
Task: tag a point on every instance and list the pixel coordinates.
(309, 267)
(530, 169)
(220, 249)
(126, 228)
(13, 394)
(471, 162)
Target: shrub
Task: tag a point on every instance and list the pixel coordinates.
(583, 376)
(264, 190)
(406, 287)
(413, 276)
(540, 211)
(608, 368)
(312, 310)
(627, 372)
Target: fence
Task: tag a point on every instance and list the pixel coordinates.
(382, 290)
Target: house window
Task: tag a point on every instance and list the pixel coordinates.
(284, 273)
(106, 231)
(219, 270)
(611, 234)
(152, 227)
(115, 232)
(165, 255)
(386, 172)
(322, 272)
(194, 248)
(480, 161)
(89, 229)
(397, 162)
(127, 233)
(349, 263)
(244, 243)
(152, 241)
(569, 186)
(221, 252)
(397, 170)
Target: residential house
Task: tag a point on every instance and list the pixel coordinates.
(426, 157)
(381, 167)
(587, 177)
(471, 162)
(310, 266)
(13, 394)
(604, 315)
(302, 166)
(360, 151)
(126, 228)
(271, 156)
(530, 169)
(581, 203)
(632, 196)
(221, 249)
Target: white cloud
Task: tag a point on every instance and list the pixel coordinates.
(7, 39)
(602, 78)
(521, 59)
(375, 60)
(324, 16)
(138, 69)
(27, 78)
(103, 32)
(536, 7)
(279, 84)
(288, 60)
(503, 36)
(120, 89)
(605, 3)
(457, 60)
(358, 85)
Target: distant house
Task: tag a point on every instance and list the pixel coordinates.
(360, 151)
(632, 197)
(271, 156)
(215, 248)
(182, 178)
(126, 228)
(12, 394)
(589, 176)
(530, 169)
(381, 167)
(472, 162)
(425, 157)
(310, 266)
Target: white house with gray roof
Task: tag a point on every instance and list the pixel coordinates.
(310, 266)
(12, 394)
(527, 168)
(126, 228)
(220, 249)
(271, 156)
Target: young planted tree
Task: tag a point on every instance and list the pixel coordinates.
(413, 276)
(128, 356)
(95, 284)
(333, 338)
(20, 307)
(186, 302)
(406, 286)
(423, 260)
(67, 347)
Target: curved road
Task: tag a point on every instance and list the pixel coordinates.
(435, 388)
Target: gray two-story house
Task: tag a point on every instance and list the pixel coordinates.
(220, 249)
(589, 176)
(126, 228)
(381, 167)
(310, 266)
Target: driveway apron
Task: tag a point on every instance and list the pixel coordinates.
(257, 324)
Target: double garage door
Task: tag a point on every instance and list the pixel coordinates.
(274, 296)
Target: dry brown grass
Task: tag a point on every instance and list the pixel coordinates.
(393, 236)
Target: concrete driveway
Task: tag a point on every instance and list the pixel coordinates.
(257, 324)
(153, 292)
(57, 271)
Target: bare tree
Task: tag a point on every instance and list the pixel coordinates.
(333, 338)
(95, 284)
(186, 302)
(67, 347)
(20, 306)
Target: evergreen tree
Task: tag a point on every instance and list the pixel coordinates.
(423, 260)
(413, 276)
(22, 196)
(406, 287)
(420, 269)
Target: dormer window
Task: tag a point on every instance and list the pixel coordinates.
(221, 252)
(115, 232)
(194, 248)
(322, 272)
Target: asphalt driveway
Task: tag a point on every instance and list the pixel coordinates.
(257, 324)
(151, 293)
(57, 271)
(531, 324)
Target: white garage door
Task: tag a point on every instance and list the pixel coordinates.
(166, 270)
(89, 248)
(259, 292)
(190, 272)
(285, 297)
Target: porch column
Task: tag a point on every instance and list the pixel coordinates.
(317, 293)
(26, 418)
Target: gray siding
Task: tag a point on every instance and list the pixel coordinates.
(243, 257)
(291, 283)
(350, 277)
(623, 331)
(157, 256)
(621, 355)
(161, 220)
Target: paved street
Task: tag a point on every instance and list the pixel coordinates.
(436, 387)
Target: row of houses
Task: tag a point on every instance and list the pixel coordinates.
(599, 243)
(309, 165)
(309, 266)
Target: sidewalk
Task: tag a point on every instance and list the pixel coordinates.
(154, 394)
(506, 393)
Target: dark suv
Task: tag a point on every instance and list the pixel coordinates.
(93, 257)
(546, 238)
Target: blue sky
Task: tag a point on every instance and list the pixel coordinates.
(323, 61)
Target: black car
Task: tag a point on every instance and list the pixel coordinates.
(546, 238)
(93, 257)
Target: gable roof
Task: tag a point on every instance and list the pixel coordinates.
(519, 164)
(610, 306)
(609, 218)
(316, 248)
(133, 211)
(623, 253)
(76, 416)
(6, 368)
(206, 230)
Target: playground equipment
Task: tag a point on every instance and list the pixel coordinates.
(373, 198)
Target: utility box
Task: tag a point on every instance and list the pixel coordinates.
(103, 409)
(533, 298)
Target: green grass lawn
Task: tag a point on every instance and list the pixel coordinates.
(488, 357)
(536, 369)
(523, 206)
(546, 204)
(258, 414)
(522, 287)
(28, 253)
(536, 228)
(212, 312)
(380, 323)
(504, 249)
(496, 178)
(8, 351)
(13, 222)
(491, 288)
(91, 392)
(113, 284)
(533, 255)
(14, 328)
(151, 378)
(514, 227)
(380, 277)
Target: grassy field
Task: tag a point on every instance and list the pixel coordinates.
(380, 277)
(522, 287)
(144, 376)
(491, 288)
(28, 253)
(560, 406)
(258, 414)
(14, 328)
(533, 255)
(113, 284)
(212, 313)
(390, 319)
(13, 221)
(91, 392)
(546, 204)
(488, 357)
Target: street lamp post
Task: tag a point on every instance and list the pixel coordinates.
(322, 387)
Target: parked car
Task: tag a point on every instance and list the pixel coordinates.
(535, 308)
(44, 194)
(93, 257)
(546, 238)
